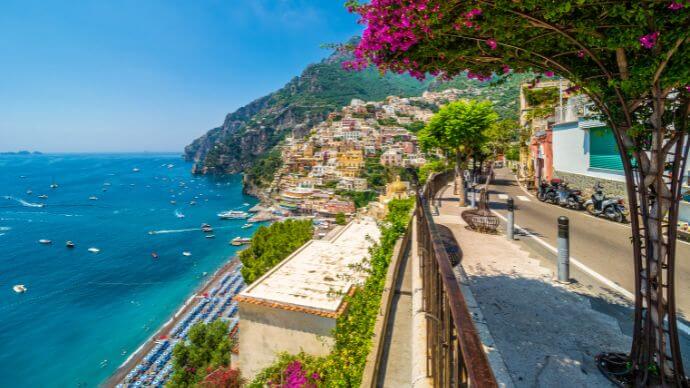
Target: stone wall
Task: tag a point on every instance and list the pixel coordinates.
(586, 184)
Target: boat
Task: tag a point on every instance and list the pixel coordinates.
(135, 169)
(233, 215)
(192, 203)
(154, 255)
(94, 250)
(171, 165)
(173, 202)
(45, 241)
(29, 192)
(19, 288)
(247, 225)
(206, 228)
(237, 241)
(210, 236)
(93, 198)
(178, 214)
(186, 253)
(152, 232)
(69, 244)
(43, 196)
(245, 204)
(54, 185)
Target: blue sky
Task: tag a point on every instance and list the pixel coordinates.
(145, 75)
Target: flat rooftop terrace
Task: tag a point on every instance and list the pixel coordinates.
(317, 276)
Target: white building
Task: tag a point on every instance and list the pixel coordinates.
(295, 305)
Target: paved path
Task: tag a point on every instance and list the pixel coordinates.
(397, 353)
(602, 245)
(547, 334)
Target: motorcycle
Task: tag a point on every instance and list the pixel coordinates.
(570, 198)
(547, 191)
(612, 208)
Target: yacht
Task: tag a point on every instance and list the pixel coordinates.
(237, 241)
(94, 250)
(69, 244)
(29, 192)
(53, 185)
(233, 215)
(93, 198)
(210, 236)
(154, 255)
(19, 289)
(43, 196)
(186, 253)
(247, 225)
(206, 228)
(44, 241)
(135, 169)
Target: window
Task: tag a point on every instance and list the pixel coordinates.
(603, 150)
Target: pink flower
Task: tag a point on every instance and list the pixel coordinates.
(687, 88)
(649, 41)
(675, 6)
(492, 43)
(548, 73)
(506, 69)
(580, 54)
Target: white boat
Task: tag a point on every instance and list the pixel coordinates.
(29, 192)
(43, 196)
(186, 253)
(247, 225)
(210, 236)
(19, 288)
(233, 215)
(135, 169)
(178, 214)
(45, 241)
(94, 250)
(93, 198)
(173, 202)
(69, 244)
(245, 204)
(171, 165)
(237, 241)
(53, 185)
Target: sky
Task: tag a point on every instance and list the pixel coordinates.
(148, 75)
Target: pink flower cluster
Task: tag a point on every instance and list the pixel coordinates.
(478, 77)
(649, 41)
(675, 6)
(393, 26)
(296, 377)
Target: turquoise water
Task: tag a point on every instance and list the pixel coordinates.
(85, 313)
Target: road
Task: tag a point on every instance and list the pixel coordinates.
(602, 245)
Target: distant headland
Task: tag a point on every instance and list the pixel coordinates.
(22, 152)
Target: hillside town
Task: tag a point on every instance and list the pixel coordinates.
(320, 171)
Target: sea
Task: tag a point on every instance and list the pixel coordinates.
(84, 313)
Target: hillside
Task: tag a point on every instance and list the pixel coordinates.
(256, 128)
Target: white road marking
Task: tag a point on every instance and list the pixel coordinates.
(503, 196)
(523, 198)
(610, 283)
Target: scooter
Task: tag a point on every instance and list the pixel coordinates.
(612, 208)
(571, 198)
(547, 192)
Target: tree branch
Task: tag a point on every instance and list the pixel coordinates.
(669, 54)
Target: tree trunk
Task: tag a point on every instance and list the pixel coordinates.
(654, 192)
(460, 179)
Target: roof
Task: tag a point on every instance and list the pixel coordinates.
(316, 277)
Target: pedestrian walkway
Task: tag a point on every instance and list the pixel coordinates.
(538, 333)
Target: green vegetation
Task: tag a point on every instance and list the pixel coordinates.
(207, 349)
(272, 244)
(340, 219)
(415, 126)
(344, 366)
(539, 97)
(425, 105)
(360, 198)
(388, 121)
(501, 136)
(261, 173)
(431, 167)
(374, 173)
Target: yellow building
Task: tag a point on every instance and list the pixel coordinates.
(350, 163)
(394, 190)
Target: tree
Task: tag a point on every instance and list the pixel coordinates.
(340, 219)
(500, 136)
(208, 348)
(631, 59)
(459, 129)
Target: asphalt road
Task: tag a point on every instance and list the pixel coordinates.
(602, 245)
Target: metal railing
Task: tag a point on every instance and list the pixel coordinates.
(455, 355)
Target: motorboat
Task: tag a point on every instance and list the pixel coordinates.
(19, 288)
(206, 228)
(186, 253)
(152, 232)
(29, 192)
(154, 255)
(93, 198)
(210, 236)
(94, 250)
(172, 202)
(45, 241)
(43, 196)
(135, 169)
(192, 203)
(233, 215)
(54, 185)
(69, 244)
(247, 225)
(237, 241)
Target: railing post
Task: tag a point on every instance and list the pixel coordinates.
(510, 223)
(563, 249)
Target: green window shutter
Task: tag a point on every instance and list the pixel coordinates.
(603, 150)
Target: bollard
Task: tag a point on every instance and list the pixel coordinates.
(563, 249)
(510, 223)
(473, 199)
